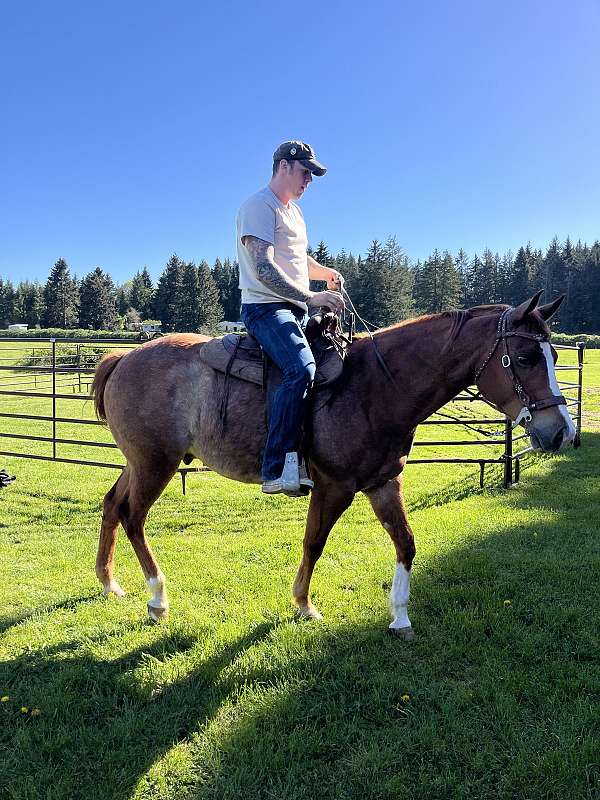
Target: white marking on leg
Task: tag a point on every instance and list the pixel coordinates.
(159, 595)
(555, 388)
(113, 588)
(399, 597)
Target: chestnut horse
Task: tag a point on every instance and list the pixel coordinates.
(162, 403)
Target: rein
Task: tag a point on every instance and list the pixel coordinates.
(503, 333)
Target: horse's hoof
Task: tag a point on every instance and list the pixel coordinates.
(113, 588)
(309, 612)
(406, 634)
(157, 614)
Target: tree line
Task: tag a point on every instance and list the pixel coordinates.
(384, 286)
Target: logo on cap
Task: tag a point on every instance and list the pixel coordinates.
(293, 151)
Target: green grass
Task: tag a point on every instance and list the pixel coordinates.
(498, 697)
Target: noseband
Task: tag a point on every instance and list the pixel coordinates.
(529, 406)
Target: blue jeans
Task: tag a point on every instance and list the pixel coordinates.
(278, 327)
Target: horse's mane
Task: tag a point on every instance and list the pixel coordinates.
(457, 318)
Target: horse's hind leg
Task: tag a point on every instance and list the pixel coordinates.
(145, 487)
(388, 505)
(327, 504)
(108, 535)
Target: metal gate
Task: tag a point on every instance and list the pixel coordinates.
(45, 384)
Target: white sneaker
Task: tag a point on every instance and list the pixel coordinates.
(293, 481)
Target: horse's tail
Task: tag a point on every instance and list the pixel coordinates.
(103, 372)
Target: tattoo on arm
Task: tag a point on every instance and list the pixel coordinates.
(269, 273)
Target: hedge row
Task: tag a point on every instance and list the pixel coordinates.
(591, 340)
(73, 333)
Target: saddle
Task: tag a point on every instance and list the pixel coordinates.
(240, 355)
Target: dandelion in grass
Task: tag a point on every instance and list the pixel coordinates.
(24, 710)
(35, 712)
(405, 698)
(508, 602)
(4, 699)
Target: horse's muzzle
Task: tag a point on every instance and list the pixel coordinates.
(551, 439)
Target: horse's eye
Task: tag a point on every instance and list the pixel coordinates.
(524, 361)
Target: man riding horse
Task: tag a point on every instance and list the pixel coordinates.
(275, 270)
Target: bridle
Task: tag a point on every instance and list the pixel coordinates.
(529, 406)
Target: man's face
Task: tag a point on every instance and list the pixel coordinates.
(298, 178)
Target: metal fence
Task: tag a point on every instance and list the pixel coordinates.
(45, 393)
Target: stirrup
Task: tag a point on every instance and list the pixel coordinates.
(293, 481)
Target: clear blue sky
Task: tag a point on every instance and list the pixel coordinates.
(134, 130)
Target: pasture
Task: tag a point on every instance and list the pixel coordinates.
(498, 696)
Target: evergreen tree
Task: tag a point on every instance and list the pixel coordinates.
(349, 267)
(29, 303)
(518, 281)
(555, 274)
(589, 308)
(61, 298)
(122, 294)
(397, 283)
(537, 274)
(141, 294)
(383, 292)
(7, 303)
(233, 300)
(577, 290)
(166, 297)
(461, 264)
(437, 284)
(322, 255)
(505, 271)
(211, 311)
(190, 302)
(98, 304)
(227, 278)
(479, 281)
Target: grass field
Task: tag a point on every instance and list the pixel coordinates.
(498, 696)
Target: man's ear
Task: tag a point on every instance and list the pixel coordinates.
(550, 309)
(525, 308)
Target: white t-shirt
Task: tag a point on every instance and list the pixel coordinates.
(264, 216)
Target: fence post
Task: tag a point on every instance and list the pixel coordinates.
(508, 454)
(580, 353)
(53, 397)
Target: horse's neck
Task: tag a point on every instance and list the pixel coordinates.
(429, 365)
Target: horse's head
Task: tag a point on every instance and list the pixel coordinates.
(518, 375)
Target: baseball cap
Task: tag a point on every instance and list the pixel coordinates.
(300, 151)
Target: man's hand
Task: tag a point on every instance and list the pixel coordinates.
(335, 280)
(332, 300)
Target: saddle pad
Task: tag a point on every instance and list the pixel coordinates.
(218, 353)
(248, 362)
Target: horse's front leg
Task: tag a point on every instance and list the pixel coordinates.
(388, 504)
(327, 503)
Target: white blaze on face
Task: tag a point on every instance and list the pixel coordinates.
(555, 389)
(399, 597)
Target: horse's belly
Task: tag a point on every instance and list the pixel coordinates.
(232, 447)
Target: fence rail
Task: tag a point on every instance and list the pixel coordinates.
(59, 371)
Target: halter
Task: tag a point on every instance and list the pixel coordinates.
(529, 406)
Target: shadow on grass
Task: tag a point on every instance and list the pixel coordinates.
(69, 603)
(495, 698)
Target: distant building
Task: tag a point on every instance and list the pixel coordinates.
(17, 326)
(231, 327)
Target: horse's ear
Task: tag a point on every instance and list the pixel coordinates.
(550, 309)
(526, 308)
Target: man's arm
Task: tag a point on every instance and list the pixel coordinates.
(271, 275)
(317, 272)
